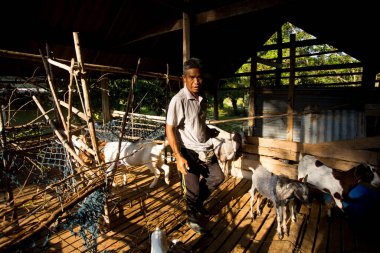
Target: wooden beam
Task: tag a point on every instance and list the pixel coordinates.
(234, 9)
(87, 66)
(185, 37)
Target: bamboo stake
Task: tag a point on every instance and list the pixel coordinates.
(90, 120)
(129, 104)
(74, 110)
(70, 101)
(50, 81)
(60, 137)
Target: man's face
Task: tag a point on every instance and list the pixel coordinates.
(193, 80)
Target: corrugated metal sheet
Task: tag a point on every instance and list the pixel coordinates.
(332, 125)
(317, 126)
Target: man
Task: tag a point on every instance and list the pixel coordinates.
(190, 140)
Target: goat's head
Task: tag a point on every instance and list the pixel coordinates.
(367, 173)
(301, 192)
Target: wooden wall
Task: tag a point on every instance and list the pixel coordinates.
(282, 157)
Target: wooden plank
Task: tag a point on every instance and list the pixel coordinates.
(251, 232)
(263, 232)
(231, 193)
(335, 234)
(272, 151)
(229, 222)
(321, 239)
(241, 230)
(269, 143)
(359, 143)
(358, 156)
(290, 151)
(249, 161)
(288, 244)
(310, 233)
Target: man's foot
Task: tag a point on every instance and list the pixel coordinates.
(203, 211)
(197, 228)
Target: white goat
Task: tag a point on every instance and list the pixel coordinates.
(226, 146)
(138, 153)
(281, 191)
(131, 154)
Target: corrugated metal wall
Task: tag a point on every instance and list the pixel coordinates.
(321, 125)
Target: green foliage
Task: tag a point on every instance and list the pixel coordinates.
(237, 88)
(149, 96)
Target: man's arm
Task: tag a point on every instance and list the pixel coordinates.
(182, 164)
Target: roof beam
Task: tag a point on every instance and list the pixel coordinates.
(232, 10)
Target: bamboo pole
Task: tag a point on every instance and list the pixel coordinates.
(88, 66)
(74, 110)
(68, 122)
(52, 89)
(58, 134)
(90, 120)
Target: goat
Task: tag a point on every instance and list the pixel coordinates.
(226, 147)
(131, 154)
(138, 153)
(333, 182)
(281, 191)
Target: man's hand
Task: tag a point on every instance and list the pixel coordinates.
(182, 164)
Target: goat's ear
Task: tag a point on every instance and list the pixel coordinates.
(305, 178)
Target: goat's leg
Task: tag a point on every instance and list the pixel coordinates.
(252, 199)
(258, 202)
(279, 217)
(285, 219)
(125, 178)
(156, 172)
(166, 170)
(110, 174)
(292, 208)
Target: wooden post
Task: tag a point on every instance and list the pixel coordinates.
(186, 36)
(252, 92)
(90, 120)
(292, 75)
(105, 100)
(279, 58)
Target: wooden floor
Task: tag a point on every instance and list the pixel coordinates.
(137, 210)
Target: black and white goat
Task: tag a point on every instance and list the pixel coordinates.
(334, 182)
(281, 191)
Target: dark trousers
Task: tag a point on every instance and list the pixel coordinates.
(200, 180)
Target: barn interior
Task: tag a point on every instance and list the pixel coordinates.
(339, 123)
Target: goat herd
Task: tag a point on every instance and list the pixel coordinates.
(354, 191)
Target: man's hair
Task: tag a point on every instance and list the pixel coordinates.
(192, 63)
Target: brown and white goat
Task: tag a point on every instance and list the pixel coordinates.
(334, 182)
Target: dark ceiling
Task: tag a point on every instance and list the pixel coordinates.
(224, 33)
